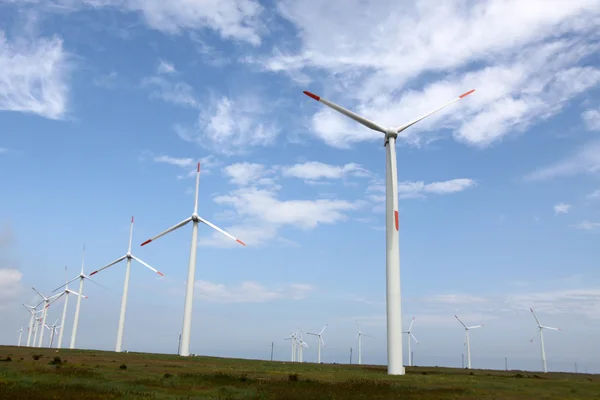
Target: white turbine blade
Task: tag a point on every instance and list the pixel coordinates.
(461, 322)
(197, 188)
(75, 293)
(411, 123)
(533, 338)
(56, 299)
(309, 333)
(369, 336)
(551, 328)
(72, 280)
(322, 341)
(323, 330)
(304, 344)
(413, 336)
(147, 266)
(109, 265)
(475, 326)
(535, 316)
(361, 120)
(41, 295)
(221, 230)
(56, 322)
(130, 234)
(93, 281)
(412, 321)
(171, 229)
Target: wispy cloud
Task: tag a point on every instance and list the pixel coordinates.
(250, 292)
(179, 93)
(165, 67)
(33, 76)
(562, 208)
(592, 119)
(594, 195)
(315, 171)
(587, 225)
(419, 189)
(586, 160)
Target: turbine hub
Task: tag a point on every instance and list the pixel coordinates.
(195, 217)
(389, 133)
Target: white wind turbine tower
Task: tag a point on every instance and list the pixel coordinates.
(319, 341)
(53, 328)
(66, 292)
(294, 340)
(20, 336)
(393, 297)
(540, 329)
(409, 336)
(44, 314)
(467, 328)
(300, 345)
(81, 278)
(359, 336)
(128, 256)
(31, 310)
(189, 290)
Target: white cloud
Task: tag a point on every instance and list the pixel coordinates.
(249, 292)
(562, 208)
(3, 150)
(584, 302)
(585, 160)
(232, 19)
(10, 285)
(594, 195)
(179, 93)
(185, 163)
(165, 67)
(415, 189)
(513, 52)
(229, 126)
(312, 171)
(180, 162)
(457, 299)
(33, 76)
(592, 119)
(245, 173)
(587, 225)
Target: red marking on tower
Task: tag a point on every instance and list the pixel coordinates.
(396, 219)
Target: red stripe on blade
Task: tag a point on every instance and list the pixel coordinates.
(466, 94)
(160, 273)
(396, 218)
(314, 96)
(95, 272)
(146, 242)
(240, 242)
(132, 219)
(198, 167)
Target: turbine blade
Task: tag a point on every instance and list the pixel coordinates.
(412, 321)
(109, 265)
(360, 119)
(171, 229)
(309, 333)
(551, 328)
(322, 341)
(56, 299)
(461, 322)
(197, 188)
(411, 123)
(91, 280)
(535, 316)
(147, 266)
(61, 286)
(75, 293)
(130, 234)
(41, 295)
(475, 326)
(323, 330)
(413, 336)
(221, 230)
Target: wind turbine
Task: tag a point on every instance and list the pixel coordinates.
(189, 290)
(81, 278)
(66, 292)
(319, 341)
(44, 314)
(128, 256)
(293, 339)
(53, 328)
(467, 328)
(20, 336)
(359, 336)
(393, 296)
(409, 336)
(32, 310)
(541, 328)
(300, 345)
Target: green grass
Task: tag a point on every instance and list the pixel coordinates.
(92, 375)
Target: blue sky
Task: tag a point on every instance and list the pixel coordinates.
(107, 105)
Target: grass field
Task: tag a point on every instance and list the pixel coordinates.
(89, 375)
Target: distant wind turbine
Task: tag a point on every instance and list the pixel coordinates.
(293, 339)
(319, 342)
(128, 256)
(467, 342)
(540, 329)
(409, 336)
(189, 290)
(359, 336)
(47, 301)
(20, 336)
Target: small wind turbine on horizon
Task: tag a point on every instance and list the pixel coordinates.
(189, 290)
(393, 296)
(66, 292)
(359, 336)
(301, 344)
(32, 310)
(540, 329)
(53, 328)
(128, 256)
(294, 341)
(467, 342)
(20, 336)
(409, 336)
(319, 341)
(81, 278)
